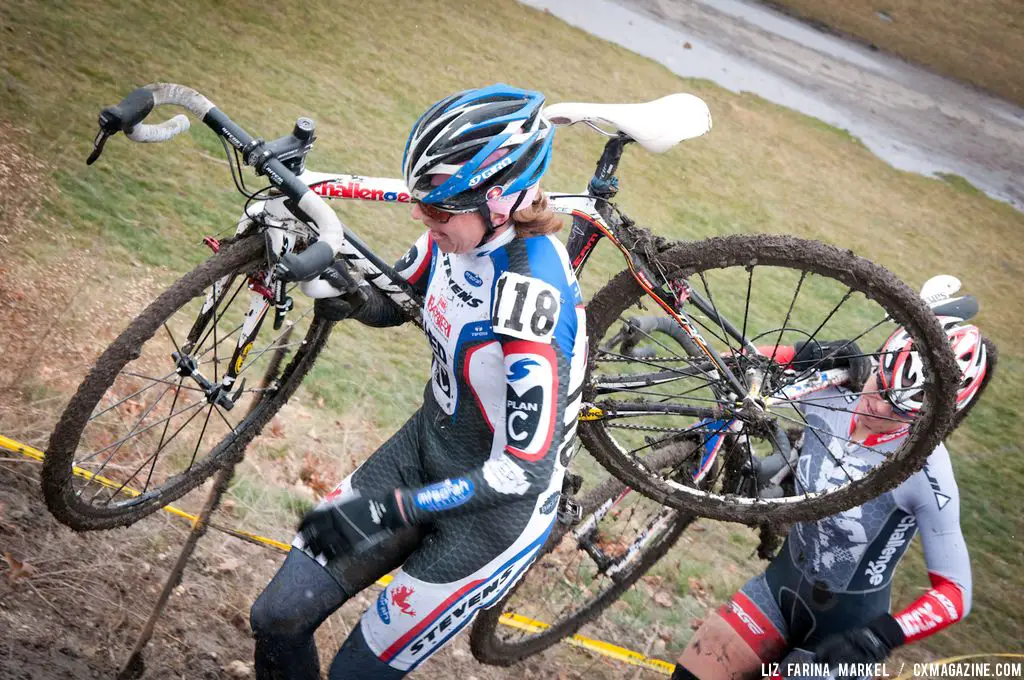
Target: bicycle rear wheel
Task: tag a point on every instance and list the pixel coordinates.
(141, 431)
(650, 382)
(566, 588)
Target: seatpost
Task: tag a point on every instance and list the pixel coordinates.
(604, 184)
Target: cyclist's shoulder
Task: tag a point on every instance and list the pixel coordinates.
(934, 484)
(538, 259)
(539, 256)
(831, 403)
(413, 263)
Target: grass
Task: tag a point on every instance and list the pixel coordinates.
(252, 497)
(976, 42)
(957, 181)
(364, 72)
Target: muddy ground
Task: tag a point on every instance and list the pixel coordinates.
(73, 604)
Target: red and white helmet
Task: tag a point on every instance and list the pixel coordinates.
(901, 371)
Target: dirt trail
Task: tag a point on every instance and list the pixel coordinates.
(911, 118)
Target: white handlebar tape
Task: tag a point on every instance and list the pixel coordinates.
(179, 95)
(160, 132)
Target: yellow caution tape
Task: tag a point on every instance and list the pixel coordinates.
(513, 620)
(510, 619)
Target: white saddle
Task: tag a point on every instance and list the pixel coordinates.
(657, 126)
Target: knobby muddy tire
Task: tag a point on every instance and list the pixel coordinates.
(874, 281)
(57, 473)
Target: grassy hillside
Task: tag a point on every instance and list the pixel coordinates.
(82, 249)
(976, 42)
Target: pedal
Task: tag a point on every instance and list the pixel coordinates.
(570, 513)
(212, 243)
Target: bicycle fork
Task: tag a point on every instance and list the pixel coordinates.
(264, 293)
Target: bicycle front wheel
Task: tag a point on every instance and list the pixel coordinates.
(650, 381)
(147, 424)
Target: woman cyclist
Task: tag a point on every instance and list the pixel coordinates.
(464, 494)
(826, 595)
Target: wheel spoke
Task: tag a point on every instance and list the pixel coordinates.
(216, 318)
(746, 304)
(142, 431)
(828, 317)
(167, 424)
(152, 467)
(164, 381)
(816, 365)
(132, 431)
(789, 313)
(155, 382)
(816, 430)
(718, 314)
(171, 336)
(151, 459)
(202, 432)
(843, 410)
(680, 372)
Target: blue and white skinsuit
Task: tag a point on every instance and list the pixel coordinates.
(479, 466)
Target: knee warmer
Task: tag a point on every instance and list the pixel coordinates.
(298, 599)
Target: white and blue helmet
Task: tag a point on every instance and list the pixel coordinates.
(478, 145)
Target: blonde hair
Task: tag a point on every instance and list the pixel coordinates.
(537, 219)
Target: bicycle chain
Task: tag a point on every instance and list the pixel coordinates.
(646, 361)
(653, 428)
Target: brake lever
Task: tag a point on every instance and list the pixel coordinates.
(97, 146)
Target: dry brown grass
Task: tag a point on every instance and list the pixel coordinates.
(977, 42)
